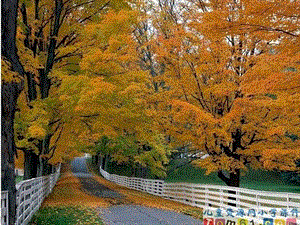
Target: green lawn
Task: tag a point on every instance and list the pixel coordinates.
(254, 179)
(62, 215)
(19, 179)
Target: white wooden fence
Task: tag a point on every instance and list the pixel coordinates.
(30, 195)
(215, 196)
(4, 207)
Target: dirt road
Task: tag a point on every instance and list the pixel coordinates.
(125, 213)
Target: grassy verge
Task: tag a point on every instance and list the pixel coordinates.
(66, 215)
(253, 179)
(19, 179)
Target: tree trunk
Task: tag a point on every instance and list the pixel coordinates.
(32, 93)
(44, 168)
(100, 162)
(106, 160)
(96, 157)
(10, 93)
(47, 169)
(44, 149)
(233, 180)
(8, 149)
(30, 164)
(45, 84)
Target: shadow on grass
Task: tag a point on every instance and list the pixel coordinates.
(253, 179)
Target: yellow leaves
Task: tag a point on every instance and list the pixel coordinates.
(185, 110)
(30, 62)
(220, 90)
(68, 192)
(132, 89)
(213, 21)
(30, 123)
(7, 74)
(233, 85)
(154, 160)
(220, 162)
(36, 131)
(64, 98)
(282, 159)
(113, 48)
(112, 59)
(98, 85)
(212, 80)
(276, 131)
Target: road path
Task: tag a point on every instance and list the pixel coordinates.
(89, 184)
(126, 214)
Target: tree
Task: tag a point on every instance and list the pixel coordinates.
(52, 42)
(230, 97)
(11, 87)
(111, 102)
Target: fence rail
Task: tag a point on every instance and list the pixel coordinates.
(216, 196)
(30, 195)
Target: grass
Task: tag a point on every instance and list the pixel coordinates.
(65, 215)
(253, 179)
(19, 179)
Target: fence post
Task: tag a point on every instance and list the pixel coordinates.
(206, 196)
(221, 197)
(257, 201)
(193, 195)
(237, 198)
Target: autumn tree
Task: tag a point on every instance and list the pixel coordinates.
(111, 101)
(52, 42)
(233, 95)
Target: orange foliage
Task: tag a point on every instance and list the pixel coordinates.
(232, 72)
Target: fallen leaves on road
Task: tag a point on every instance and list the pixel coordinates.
(68, 192)
(145, 199)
